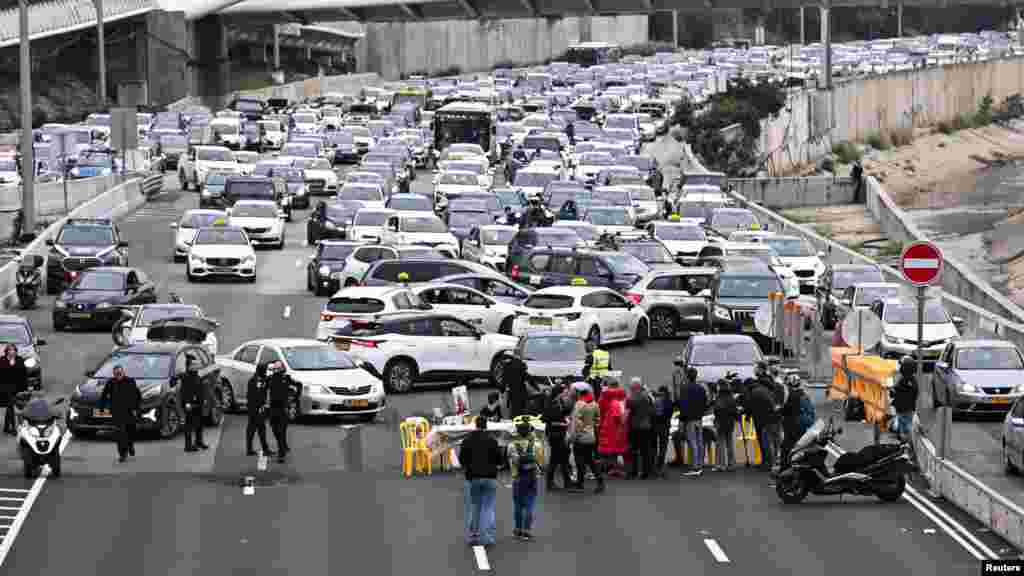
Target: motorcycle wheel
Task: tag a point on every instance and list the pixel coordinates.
(791, 489)
(893, 491)
(55, 463)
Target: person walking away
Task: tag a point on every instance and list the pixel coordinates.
(13, 380)
(693, 404)
(640, 407)
(797, 417)
(760, 405)
(584, 426)
(904, 398)
(515, 380)
(727, 412)
(492, 411)
(612, 440)
(192, 395)
(481, 457)
(556, 427)
(662, 424)
(570, 132)
(280, 391)
(525, 470)
(679, 376)
(256, 405)
(122, 397)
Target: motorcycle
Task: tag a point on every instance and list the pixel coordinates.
(878, 470)
(28, 280)
(39, 435)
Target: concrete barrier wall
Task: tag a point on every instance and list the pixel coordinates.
(50, 196)
(394, 49)
(313, 87)
(114, 203)
(782, 193)
(861, 107)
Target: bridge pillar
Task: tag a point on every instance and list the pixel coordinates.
(826, 39)
(211, 55)
(803, 26)
(899, 20)
(759, 38)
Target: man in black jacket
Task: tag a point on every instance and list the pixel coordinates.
(280, 391)
(641, 424)
(256, 404)
(904, 397)
(761, 405)
(791, 431)
(122, 397)
(556, 427)
(480, 456)
(192, 397)
(517, 388)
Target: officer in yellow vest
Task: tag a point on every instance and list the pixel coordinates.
(596, 367)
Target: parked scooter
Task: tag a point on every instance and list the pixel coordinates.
(878, 470)
(39, 434)
(28, 280)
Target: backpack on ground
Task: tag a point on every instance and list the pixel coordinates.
(806, 413)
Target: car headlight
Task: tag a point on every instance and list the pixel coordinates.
(966, 387)
(103, 305)
(60, 304)
(315, 389)
(33, 431)
(723, 314)
(250, 259)
(205, 193)
(325, 271)
(31, 362)
(196, 259)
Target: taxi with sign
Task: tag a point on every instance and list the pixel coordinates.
(219, 251)
(597, 314)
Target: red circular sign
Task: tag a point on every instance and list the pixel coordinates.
(921, 263)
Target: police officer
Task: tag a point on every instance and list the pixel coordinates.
(596, 366)
(280, 389)
(256, 398)
(192, 397)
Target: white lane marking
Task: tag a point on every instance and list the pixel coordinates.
(921, 263)
(9, 508)
(716, 551)
(15, 490)
(287, 311)
(261, 464)
(482, 563)
(949, 525)
(298, 263)
(248, 491)
(11, 532)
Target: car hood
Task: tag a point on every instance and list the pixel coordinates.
(89, 392)
(337, 378)
(558, 369)
(716, 372)
(221, 251)
(614, 229)
(688, 246)
(91, 296)
(80, 250)
(931, 331)
(255, 222)
(801, 262)
(991, 378)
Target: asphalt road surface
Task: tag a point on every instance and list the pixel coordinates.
(167, 512)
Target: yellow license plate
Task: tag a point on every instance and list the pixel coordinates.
(98, 413)
(342, 345)
(1001, 400)
(541, 322)
(360, 403)
(79, 315)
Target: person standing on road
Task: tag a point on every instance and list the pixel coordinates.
(641, 422)
(583, 429)
(904, 398)
(522, 453)
(13, 380)
(663, 409)
(613, 433)
(122, 397)
(192, 395)
(794, 418)
(492, 411)
(727, 412)
(679, 376)
(280, 390)
(556, 427)
(256, 405)
(693, 404)
(515, 379)
(481, 457)
(761, 405)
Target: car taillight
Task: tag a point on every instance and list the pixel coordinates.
(634, 297)
(325, 317)
(367, 343)
(572, 316)
(514, 273)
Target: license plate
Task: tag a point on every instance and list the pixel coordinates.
(79, 315)
(223, 270)
(359, 403)
(98, 413)
(1001, 400)
(541, 322)
(342, 345)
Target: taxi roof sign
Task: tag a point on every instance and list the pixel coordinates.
(673, 218)
(220, 222)
(403, 276)
(579, 281)
(755, 226)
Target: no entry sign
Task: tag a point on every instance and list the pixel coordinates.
(921, 263)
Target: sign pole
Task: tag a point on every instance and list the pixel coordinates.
(860, 330)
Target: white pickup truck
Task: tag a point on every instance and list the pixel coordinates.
(203, 160)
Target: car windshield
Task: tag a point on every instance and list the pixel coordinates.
(216, 179)
(534, 179)
(342, 212)
(336, 251)
(413, 203)
(649, 253)
(459, 179)
(361, 193)
(694, 233)
(599, 217)
(200, 220)
(364, 218)
(610, 198)
(531, 143)
(554, 349)
(304, 118)
(548, 301)
(12, 333)
(269, 126)
(843, 279)
(626, 264)
(150, 315)
(138, 366)
(214, 155)
(907, 314)
(432, 225)
(419, 252)
(733, 219)
(349, 305)
(8, 166)
(644, 194)
(308, 358)
(221, 236)
(224, 128)
(615, 121)
(477, 168)
(867, 295)
(302, 163)
(358, 177)
(497, 237)
(100, 280)
(748, 286)
(790, 247)
(254, 211)
(988, 359)
(79, 235)
(469, 219)
(725, 353)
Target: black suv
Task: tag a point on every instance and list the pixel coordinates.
(834, 281)
(82, 243)
(330, 257)
(562, 266)
(644, 248)
(737, 294)
(331, 220)
(388, 272)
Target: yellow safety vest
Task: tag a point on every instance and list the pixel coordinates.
(602, 363)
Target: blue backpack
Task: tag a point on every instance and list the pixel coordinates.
(806, 414)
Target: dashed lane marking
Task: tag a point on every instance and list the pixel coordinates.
(482, 563)
(716, 551)
(151, 212)
(287, 311)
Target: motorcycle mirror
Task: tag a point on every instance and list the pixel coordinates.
(40, 342)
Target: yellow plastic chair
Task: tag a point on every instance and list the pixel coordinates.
(748, 434)
(415, 453)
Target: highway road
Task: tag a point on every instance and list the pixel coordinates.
(167, 512)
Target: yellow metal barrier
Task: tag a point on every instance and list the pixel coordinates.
(415, 454)
(747, 447)
(867, 378)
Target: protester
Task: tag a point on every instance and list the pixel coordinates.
(525, 469)
(679, 376)
(797, 416)
(904, 398)
(510, 217)
(727, 412)
(492, 411)
(515, 379)
(640, 408)
(761, 405)
(481, 457)
(192, 396)
(256, 400)
(122, 397)
(693, 404)
(612, 441)
(280, 392)
(556, 427)
(584, 426)
(13, 380)
(663, 409)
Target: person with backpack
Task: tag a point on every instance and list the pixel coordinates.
(663, 409)
(640, 407)
(797, 417)
(556, 427)
(583, 427)
(904, 398)
(522, 453)
(727, 412)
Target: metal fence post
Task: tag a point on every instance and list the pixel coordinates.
(353, 449)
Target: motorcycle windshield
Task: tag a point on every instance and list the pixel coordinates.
(810, 436)
(37, 412)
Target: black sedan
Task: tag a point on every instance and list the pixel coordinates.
(93, 300)
(157, 368)
(329, 258)
(331, 220)
(18, 331)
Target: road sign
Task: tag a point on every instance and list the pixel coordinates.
(861, 329)
(921, 263)
(764, 319)
(124, 129)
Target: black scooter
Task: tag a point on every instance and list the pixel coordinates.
(878, 470)
(28, 280)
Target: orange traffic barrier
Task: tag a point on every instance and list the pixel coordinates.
(868, 378)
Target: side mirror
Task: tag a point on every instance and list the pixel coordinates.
(959, 322)
(941, 366)
(122, 244)
(174, 225)
(40, 342)
(49, 241)
(89, 373)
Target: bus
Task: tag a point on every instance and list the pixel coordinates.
(412, 95)
(465, 123)
(594, 54)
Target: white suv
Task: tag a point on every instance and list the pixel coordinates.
(422, 229)
(364, 304)
(363, 257)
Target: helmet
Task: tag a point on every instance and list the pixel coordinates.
(679, 360)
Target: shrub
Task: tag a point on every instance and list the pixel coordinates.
(846, 152)
(945, 127)
(879, 141)
(901, 136)
(984, 114)
(963, 122)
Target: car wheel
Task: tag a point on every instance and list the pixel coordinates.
(170, 424)
(642, 332)
(506, 326)
(252, 279)
(1010, 467)
(594, 336)
(497, 375)
(664, 324)
(227, 395)
(399, 376)
(217, 409)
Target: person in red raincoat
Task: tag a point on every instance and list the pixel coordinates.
(612, 440)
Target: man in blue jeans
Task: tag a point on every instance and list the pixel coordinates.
(480, 456)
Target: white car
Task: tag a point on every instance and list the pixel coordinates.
(321, 177)
(590, 164)
(800, 257)
(190, 223)
(488, 245)
(134, 328)
(247, 160)
(271, 135)
(532, 180)
(427, 346)
(305, 123)
(479, 166)
(359, 261)
(370, 195)
(226, 132)
(899, 329)
(600, 315)
(455, 182)
(611, 219)
(646, 206)
(221, 251)
(421, 229)
(262, 221)
(364, 304)
(470, 305)
(333, 383)
(683, 240)
(368, 224)
(361, 137)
